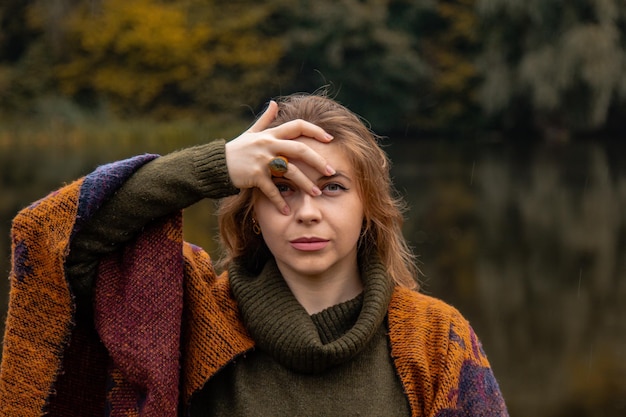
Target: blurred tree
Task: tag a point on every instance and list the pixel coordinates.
(161, 57)
(448, 40)
(405, 65)
(22, 57)
(560, 63)
(14, 32)
(372, 65)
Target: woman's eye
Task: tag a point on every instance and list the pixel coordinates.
(283, 188)
(333, 187)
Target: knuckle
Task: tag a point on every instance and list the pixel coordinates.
(265, 140)
(299, 123)
(257, 171)
(271, 193)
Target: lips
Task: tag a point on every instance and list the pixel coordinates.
(309, 243)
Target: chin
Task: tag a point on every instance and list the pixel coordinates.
(309, 269)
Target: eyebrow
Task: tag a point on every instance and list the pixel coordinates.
(335, 175)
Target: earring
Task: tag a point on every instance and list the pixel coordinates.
(255, 227)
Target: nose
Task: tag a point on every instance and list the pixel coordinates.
(307, 209)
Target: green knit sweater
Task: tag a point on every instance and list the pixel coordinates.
(336, 362)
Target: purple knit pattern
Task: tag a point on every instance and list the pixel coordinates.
(138, 304)
(22, 267)
(478, 394)
(80, 387)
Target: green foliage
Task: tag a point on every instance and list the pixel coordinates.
(563, 60)
(29, 78)
(404, 65)
(24, 62)
(357, 49)
(449, 42)
(435, 66)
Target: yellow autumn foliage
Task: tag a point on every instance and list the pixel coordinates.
(449, 51)
(149, 54)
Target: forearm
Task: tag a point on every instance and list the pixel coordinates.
(159, 188)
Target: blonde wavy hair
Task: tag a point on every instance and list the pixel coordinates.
(383, 208)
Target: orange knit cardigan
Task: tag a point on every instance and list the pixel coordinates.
(53, 364)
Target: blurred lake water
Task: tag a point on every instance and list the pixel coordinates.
(529, 242)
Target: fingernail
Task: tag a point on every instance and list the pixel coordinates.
(285, 210)
(329, 136)
(330, 170)
(267, 106)
(316, 191)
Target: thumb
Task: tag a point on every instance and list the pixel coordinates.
(266, 118)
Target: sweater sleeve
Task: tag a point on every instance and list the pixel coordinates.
(159, 188)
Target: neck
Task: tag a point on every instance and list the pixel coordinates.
(319, 292)
(280, 325)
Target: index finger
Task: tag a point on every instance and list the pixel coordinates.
(297, 128)
(302, 152)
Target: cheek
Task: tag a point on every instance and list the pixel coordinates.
(357, 228)
(355, 218)
(260, 208)
(268, 217)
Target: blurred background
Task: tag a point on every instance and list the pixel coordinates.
(504, 119)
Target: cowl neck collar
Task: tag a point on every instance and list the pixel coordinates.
(281, 327)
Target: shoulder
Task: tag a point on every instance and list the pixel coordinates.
(438, 327)
(439, 358)
(201, 277)
(59, 205)
(410, 305)
(197, 260)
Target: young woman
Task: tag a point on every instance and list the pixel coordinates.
(316, 314)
